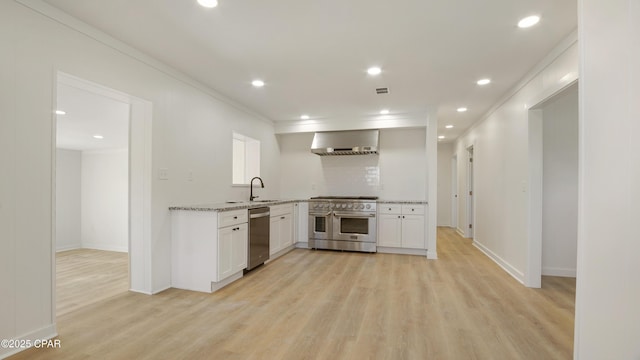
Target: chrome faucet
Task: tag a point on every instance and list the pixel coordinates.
(251, 197)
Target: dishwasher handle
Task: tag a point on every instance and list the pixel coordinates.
(259, 215)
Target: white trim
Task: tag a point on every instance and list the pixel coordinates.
(47, 332)
(68, 248)
(302, 245)
(403, 251)
(432, 255)
(105, 247)
(460, 231)
(510, 269)
(562, 272)
(533, 268)
(73, 23)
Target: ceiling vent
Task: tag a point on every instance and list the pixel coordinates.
(383, 90)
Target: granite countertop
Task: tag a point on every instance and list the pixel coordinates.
(239, 205)
(235, 205)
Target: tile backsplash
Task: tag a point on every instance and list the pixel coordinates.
(351, 175)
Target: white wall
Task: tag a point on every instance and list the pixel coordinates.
(105, 200)
(397, 173)
(501, 162)
(560, 184)
(608, 290)
(445, 152)
(191, 131)
(68, 165)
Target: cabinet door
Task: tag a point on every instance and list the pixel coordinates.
(225, 246)
(286, 231)
(239, 243)
(389, 230)
(274, 235)
(413, 232)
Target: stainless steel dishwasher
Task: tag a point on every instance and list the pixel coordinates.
(258, 237)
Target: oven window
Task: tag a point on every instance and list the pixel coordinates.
(321, 224)
(354, 226)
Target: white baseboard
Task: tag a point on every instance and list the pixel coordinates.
(402, 251)
(562, 272)
(68, 247)
(510, 269)
(432, 255)
(45, 333)
(105, 247)
(302, 245)
(460, 231)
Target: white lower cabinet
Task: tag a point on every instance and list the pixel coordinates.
(232, 250)
(401, 226)
(208, 248)
(280, 228)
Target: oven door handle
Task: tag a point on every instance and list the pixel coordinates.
(354, 215)
(321, 215)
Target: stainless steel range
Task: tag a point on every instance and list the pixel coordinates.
(343, 223)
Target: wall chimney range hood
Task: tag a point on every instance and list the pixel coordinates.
(353, 142)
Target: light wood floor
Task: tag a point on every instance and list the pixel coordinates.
(332, 305)
(85, 277)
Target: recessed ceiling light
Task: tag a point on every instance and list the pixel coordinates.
(461, 109)
(257, 83)
(449, 126)
(208, 3)
(441, 137)
(384, 111)
(374, 70)
(529, 21)
(484, 81)
(60, 112)
(98, 137)
(304, 117)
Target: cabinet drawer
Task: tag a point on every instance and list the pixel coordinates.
(389, 208)
(278, 210)
(228, 218)
(413, 209)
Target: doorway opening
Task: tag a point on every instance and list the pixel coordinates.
(92, 196)
(469, 229)
(102, 186)
(553, 177)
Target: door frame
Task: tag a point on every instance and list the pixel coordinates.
(533, 271)
(140, 176)
(454, 191)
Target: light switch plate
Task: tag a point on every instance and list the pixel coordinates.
(163, 174)
(190, 175)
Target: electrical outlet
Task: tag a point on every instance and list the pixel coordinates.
(163, 174)
(190, 175)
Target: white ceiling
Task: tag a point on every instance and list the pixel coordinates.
(89, 114)
(313, 54)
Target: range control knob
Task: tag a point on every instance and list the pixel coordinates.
(350, 206)
(361, 206)
(368, 206)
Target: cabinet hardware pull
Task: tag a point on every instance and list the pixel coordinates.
(398, 216)
(403, 216)
(282, 217)
(235, 217)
